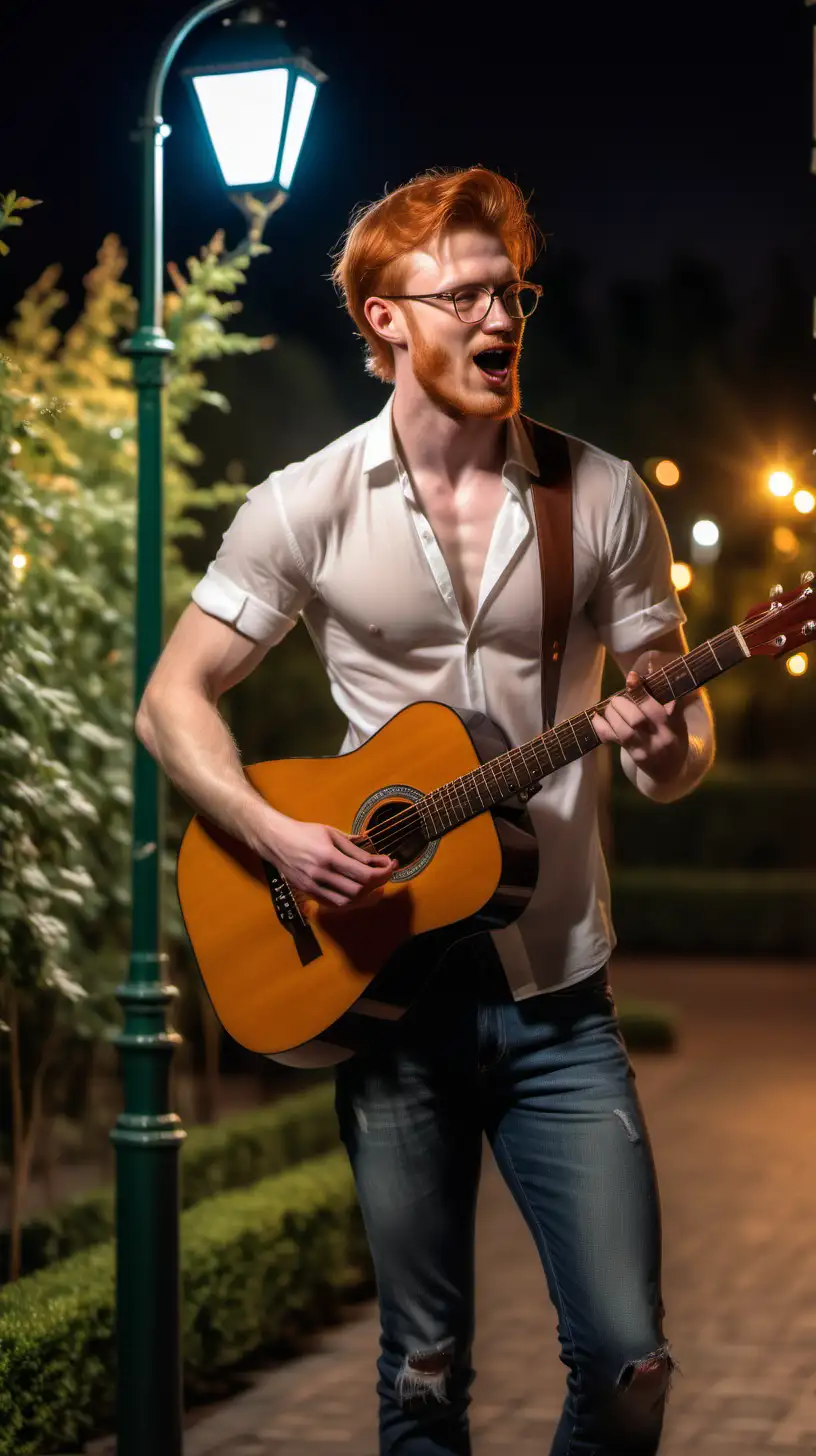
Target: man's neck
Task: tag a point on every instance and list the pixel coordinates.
(430, 442)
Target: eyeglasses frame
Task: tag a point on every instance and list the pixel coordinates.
(450, 294)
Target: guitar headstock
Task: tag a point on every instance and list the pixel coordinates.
(785, 622)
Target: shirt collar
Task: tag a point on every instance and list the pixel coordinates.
(381, 447)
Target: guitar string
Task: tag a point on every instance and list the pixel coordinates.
(409, 818)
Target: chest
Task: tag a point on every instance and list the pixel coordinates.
(463, 521)
(402, 580)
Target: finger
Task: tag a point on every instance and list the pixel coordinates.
(346, 868)
(602, 728)
(628, 713)
(650, 706)
(355, 851)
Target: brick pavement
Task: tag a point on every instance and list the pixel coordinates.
(733, 1122)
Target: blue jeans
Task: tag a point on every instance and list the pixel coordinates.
(548, 1081)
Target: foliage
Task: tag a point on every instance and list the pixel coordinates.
(735, 819)
(715, 912)
(10, 204)
(67, 514)
(258, 1267)
(648, 1026)
(233, 1154)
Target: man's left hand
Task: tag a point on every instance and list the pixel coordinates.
(655, 736)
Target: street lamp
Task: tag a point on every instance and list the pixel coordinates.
(256, 110)
(148, 1135)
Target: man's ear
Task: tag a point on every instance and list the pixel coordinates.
(386, 321)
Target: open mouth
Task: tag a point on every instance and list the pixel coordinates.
(495, 364)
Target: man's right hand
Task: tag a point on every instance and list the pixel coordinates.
(322, 861)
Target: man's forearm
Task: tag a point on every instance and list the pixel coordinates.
(699, 758)
(190, 740)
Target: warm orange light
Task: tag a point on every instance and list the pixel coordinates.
(785, 541)
(666, 473)
(780, 483)
(681, 575)
(797, 664)
(804, 500)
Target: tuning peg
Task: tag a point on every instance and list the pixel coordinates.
(809, 629)
(806, 578)
(776, 591)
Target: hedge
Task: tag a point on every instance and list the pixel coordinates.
(715, 912)
(737, 818)
(648, 1026)
(234, 1153)
(258, 1265)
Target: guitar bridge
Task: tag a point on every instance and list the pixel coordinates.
(289, 915)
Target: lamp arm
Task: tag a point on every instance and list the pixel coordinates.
(151, 135)
(167, 54)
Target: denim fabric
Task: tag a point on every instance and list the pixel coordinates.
(549, 1082)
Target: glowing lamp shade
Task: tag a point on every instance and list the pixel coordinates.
(256, 117)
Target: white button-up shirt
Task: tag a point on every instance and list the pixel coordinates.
(342, 541)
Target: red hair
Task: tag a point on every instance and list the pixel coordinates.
(382, 234)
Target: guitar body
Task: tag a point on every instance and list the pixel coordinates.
(309, 984)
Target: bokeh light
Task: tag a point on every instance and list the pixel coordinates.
(666, 473)
(797, 664)
(19, 561)
(785, 541)
(681, 575)
(705, 533)
(804, 500)
(780, 483)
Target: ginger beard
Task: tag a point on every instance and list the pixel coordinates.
(434, 370)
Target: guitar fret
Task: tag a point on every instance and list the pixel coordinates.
(519, 767)
(686, 665)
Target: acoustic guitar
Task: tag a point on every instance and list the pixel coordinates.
(444, 793)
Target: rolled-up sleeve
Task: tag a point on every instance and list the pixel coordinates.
(635, 599)
(259, 581)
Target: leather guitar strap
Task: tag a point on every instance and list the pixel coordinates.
(552, 503)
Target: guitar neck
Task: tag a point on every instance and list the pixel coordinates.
(519, 769)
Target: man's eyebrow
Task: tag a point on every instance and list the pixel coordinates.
(476, 283)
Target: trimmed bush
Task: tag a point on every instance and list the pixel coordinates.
(717, 912)
(234, 1153)
(258, 1266)
(648, 1026)
(737, 818)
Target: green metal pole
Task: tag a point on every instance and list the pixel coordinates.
(148, 1134)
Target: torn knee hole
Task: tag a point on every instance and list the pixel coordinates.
(649, 1376)
(424, 1374)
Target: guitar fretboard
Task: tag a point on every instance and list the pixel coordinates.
(520, 768)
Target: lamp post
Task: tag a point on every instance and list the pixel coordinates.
(256, 131)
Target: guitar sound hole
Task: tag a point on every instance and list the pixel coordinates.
(404, 848)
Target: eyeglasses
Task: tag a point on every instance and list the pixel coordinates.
(473, 303)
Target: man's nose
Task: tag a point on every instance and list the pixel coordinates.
(499, 321)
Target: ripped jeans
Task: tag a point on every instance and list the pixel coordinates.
(548, 1081)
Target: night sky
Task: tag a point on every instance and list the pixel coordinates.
(640, 128)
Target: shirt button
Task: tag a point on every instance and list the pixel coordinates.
(374, 629)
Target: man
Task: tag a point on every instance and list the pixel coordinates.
(409, 548)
